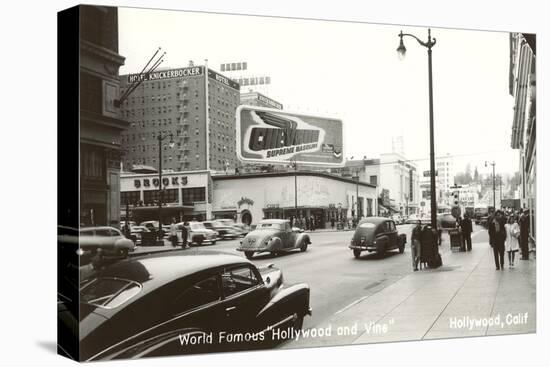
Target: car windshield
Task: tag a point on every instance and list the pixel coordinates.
(108, 292)
(270, 226)
(197, 226)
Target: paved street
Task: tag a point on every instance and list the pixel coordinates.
(412, 305)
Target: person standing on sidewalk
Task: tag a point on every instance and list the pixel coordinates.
(512, 235)
(332, 222)
(497, 236)
(466, 225)
(173, 233)
(416, 245)
(524, 234)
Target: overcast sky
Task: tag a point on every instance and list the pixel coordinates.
(351, 71)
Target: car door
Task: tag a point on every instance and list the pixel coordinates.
(244, 295)
(392, 234)
(287, 236)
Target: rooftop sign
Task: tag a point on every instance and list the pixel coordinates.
(266, 135)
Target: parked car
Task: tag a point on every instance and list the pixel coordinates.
(198, 234)
(146, 306)
(136, 232)
(446, 221)
(398, 219)
(412, 219)
(224, 231)
(274, 236)
(377, 234)
(109, 239)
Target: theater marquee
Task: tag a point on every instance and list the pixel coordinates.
(267, 135)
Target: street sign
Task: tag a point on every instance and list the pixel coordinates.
(427, 173)
(266, 135)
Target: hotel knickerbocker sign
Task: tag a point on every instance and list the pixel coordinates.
(267, 135)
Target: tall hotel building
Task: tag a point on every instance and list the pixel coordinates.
(198, 111)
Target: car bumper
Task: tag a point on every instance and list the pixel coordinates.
(364, 247)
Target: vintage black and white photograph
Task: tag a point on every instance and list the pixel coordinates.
(264, 183)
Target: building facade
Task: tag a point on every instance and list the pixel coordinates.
(247, 198)
(186, 196)
(196, 105)
(101, 124)
(252, 197)
(396, 177)
(257, 99)
(523, 89)
(445, 178)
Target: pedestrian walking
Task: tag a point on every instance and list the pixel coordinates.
(466, 226)
(184, 235)
(308, 224)
(291, 221)
(524, 223)
(312, 223)
(416, 245)
(173, 233)
(512, 239)
(497, 235)
(332, 222)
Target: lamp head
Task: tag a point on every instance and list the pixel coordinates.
(401, 50)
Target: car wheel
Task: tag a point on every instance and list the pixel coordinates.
(249, 254)
(213, 243)
(123, 252)
(357, 253)
(303, 248)
(402, 248)
(298, 323)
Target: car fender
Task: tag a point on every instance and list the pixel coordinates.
(124, 243)
(287, 301)
(276, 244)
(402, 238)
(302, 237)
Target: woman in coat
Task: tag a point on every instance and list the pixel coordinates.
(512, 239)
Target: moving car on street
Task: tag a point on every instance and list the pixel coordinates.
(377, 234)
(274, 236)
(198, 234)
(109, 239)
(179, 303)
(446, 221)
(224, 231)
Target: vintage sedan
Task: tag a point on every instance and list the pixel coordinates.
(180, 303)
(109, 239)
(197, 233)
(377, 234)
(225, 231)
(274, 236)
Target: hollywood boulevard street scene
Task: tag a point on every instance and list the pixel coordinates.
(252, 182)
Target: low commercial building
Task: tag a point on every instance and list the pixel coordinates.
(186, 196)
(246, 198)
(252, 197)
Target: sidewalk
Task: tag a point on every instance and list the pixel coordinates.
(464, 297)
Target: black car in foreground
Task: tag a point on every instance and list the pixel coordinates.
(377, 234)
(173, 304)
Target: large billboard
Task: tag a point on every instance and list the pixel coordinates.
(266, 135)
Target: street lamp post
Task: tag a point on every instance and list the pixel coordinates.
(294, 165)
(494, 190)
(160, 138)
(401, 50)
(357, 194)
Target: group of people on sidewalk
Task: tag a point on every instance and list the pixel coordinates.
(509, 234)
(305, 223)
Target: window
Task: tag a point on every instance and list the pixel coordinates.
(238, 280)
(374, 180)
(193, 194)
(151, 196)
(108, 292)
(199, 294)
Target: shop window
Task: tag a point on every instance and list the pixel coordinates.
(193, 194)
